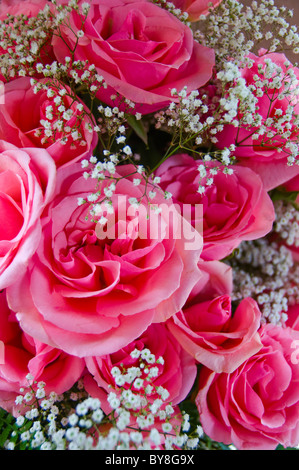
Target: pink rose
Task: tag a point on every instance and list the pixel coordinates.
(23, 355)
(196, 8)
(176, 373)
(293, 316)
(26, 118)
(214, 335)
(27, 181)
(15, 7)
(235, 208)
(140, 49)
(256, 407)
(91, 292)
(259, 153)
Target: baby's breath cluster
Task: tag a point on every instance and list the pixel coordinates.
(234, 30)
(76, 421)
(286, 224)
(266, 271)
(189, 118)
(21, 41)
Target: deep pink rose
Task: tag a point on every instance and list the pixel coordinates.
(23, 355)
(140, 49)
(27, 182)
(24, 113)
(293, 316)
(256, 407)
(214, 335)
(235, 207)
(196, 8)
(176, 373)
(259, 153)
(90, 291)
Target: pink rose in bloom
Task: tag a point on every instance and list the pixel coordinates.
(235, 208)
(196, 8)
(24, 355)
(176, 372)
(140, 49)
(27, 182)
(256, 407)
(90, 291)
(268, 149)
(31, 119)
(214, 335)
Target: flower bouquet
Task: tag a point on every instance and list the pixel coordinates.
(149, 181)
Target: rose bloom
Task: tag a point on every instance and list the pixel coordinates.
(176, 373)
(196, 8)
(235, 207)
(140, 49)
(214, 335)
(24, 112)
(23, 355)
(206, 326)
(256, 407)
(259, 153)
(27, 182)
(90, 291)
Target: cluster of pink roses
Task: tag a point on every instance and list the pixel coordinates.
(74, 305)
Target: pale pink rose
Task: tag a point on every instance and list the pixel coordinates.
(27, 182)
(24, 355)
(140, 49)
(176, 373)
(259, 153)
(256, 407)
(214, 335)
(235, 207)
(21, 116)
(196, 8)
(90, 291)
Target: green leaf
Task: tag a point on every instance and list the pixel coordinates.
(284, 195)
(138, 128)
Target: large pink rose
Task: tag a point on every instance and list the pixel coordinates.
(140, 49)
(23, 355)
(27, 182)
(235, 207)
(26, 118)
(196, 8)
(256, 407)
(176, 374)
(216, 336)
(259, 153)
(91, 292)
